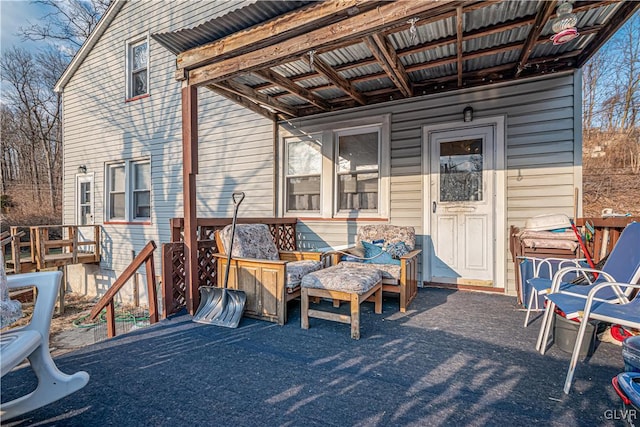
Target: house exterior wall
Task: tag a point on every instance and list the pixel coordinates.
(100, 127)
(543, 154)
(237, 148)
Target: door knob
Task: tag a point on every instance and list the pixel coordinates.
(435, 205)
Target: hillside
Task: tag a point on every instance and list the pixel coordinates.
(611, 172)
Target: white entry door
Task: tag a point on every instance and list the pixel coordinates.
(84, 199)
(462, 195)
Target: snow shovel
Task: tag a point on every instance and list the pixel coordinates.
(222, 306)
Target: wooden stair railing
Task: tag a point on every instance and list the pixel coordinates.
(146, 257)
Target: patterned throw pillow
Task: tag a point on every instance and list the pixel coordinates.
(397, 250)
(375, 255)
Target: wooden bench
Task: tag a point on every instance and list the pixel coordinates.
(354, 285)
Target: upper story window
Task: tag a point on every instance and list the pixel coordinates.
(128, 191)
(138, 68)
(333, 171)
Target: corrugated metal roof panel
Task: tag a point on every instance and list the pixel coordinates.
(498, 13)
(514, 35)
(224, 25)
(423, 34)
(375, 84)
(433, 73)
(346, 55)
(330, 93)
(488, 61)
(429, 55)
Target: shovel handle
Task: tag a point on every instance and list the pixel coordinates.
(238, 198)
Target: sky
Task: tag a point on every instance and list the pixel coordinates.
(13, 15)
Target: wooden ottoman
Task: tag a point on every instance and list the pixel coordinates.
(340, 283)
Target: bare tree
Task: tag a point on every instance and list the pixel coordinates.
(68, 22)
(37, 112)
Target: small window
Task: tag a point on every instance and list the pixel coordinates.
(138, 68)
(303, 174)
(358, 171)
(129, 191)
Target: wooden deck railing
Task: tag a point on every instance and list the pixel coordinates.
(174, 293)
(144, 257)
(605, 235)
(51, 246)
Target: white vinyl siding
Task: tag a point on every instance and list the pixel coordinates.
(100, 129)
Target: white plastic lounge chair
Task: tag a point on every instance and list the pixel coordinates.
(622, 265)
(625, 314)
(32, 342)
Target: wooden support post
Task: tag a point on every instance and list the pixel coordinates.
(111, 320)
(63, 289)
(136, 289)
(15, 249)
(96, 238)
(189, 171)
(152, 293)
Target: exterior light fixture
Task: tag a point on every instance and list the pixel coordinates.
(468, 114)
(82, 169)
(564, 25)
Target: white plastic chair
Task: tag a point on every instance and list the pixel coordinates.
(543, 272)
(32, 342)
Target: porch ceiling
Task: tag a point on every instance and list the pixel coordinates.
(298, 58)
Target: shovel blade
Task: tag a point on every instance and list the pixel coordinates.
(220, 306)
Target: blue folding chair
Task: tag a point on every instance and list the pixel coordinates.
(622, 265)
(593, 307)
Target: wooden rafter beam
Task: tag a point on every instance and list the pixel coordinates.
(332, 75)
(255, 96)
(241, 100)
(387, 15)
(459, 31)
(390, 63)
(542, 17)
(280, 28)
(292, 87)
(625, 11)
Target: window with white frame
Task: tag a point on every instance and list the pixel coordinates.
(337, 171)
(303, 173)
(357, 164)
(137, 68)
(129, 191)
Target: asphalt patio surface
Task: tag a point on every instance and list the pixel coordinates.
(455, 358)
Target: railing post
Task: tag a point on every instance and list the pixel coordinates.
(111, 320)
(96, 238)
(15, 249)
(151, 290)
(73, 231)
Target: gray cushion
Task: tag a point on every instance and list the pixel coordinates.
(389, 271)
(341, 278)
(296, 270)
(251, 241)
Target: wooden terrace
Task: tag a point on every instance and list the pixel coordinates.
(39, 248)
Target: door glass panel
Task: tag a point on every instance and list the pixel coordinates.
(461, 164)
